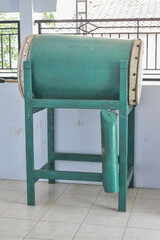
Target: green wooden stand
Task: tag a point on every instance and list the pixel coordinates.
(126, 138)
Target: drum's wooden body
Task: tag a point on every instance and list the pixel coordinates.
(69, 67)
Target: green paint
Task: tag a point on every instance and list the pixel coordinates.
(89, 80)
(110, 176)
(71, 67)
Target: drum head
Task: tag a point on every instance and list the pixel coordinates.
(135, 73)
(23, 57)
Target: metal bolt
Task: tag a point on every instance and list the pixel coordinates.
(134, 74)
(138, 45)
(136, 57)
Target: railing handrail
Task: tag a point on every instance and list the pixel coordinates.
(99, 20)
(11, 21)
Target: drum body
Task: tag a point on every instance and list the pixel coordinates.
(72, 67)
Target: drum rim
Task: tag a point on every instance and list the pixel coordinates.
(135, 73)
(23, 55)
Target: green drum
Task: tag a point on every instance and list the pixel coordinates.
(72, 67)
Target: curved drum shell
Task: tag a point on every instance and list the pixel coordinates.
(71, 67)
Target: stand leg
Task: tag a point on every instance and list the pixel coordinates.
(123, 146)
(123, 135)
(50, 119)
(131, 143)
(29, 135)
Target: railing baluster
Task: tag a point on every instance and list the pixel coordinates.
(2, 50)
(155, 51)
(10, 53)
(137, 29)
(19, 40)
(147, 51)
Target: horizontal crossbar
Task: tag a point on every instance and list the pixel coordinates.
(63, 175)
(74, 103)
(78, 157)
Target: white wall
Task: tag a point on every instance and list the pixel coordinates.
(147, 139)
(77, 131)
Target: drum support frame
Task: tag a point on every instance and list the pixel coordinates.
(126, 138)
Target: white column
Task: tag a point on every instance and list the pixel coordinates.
(26, 18)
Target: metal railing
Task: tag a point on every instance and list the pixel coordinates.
(147, 29)
(9, 47)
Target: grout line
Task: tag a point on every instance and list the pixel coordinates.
(12, 203)
(129, 216)
(46, 211)
(85, 216)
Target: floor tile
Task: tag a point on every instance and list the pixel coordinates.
(41, 197)
(54, 230)
(148, 194)
(111, 204)
(101, 216)
(21, 210)
(4, 206)
(82, 189)
(2, 181)
(56, 188)
(35, 239)
(65, 214)
(76, 200)
(131, 193)
(15, 227)
(141, 234)
(10, 195)
(94, 232)
(144, 220)
(13, 185)
(9, 238)
(146, 205)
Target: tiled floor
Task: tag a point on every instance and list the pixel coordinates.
(77, 212)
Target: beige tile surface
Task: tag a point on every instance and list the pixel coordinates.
(41, 198)
(111, 204)
(144, 220)
(94, 232)
(148, 194)
(82, 189)
(15, 227)
(141, 234)
(100, 216)
(9, 238)
(56, 188)
(76, 200)
(4, 206)
(14, 185)
(10, 195)
(35, 239)
(2, 181)
(54, 230)
(131, 193)
(45, 193)
(21, 210)
(61, 208)
(65, 214)
(147, 205)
